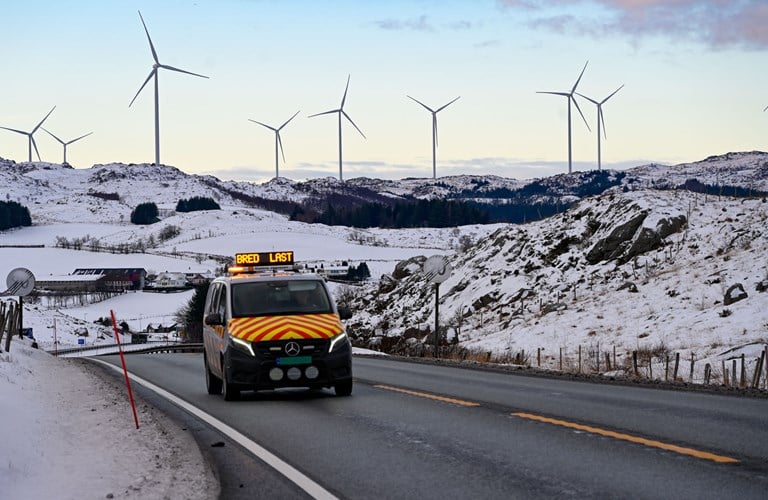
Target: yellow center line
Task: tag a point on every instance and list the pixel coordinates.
(428, 396)
(634, 439)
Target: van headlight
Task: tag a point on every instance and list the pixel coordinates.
(242, 345)
(338, 341)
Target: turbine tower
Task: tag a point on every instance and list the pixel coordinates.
(600, 120)
(278, 141)
(340, 111)
(65, 144)
(569, 96)
(434, 130)
(154, 73)
(31, 135)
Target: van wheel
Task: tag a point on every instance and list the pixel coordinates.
(231, 391)
(343, 388)
(212, 382)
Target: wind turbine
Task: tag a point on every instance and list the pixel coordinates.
(278, 141)
(154, 73)
(569, 96)
(434, 130)
(600, 120)
(341, 112)
(65, 144)
(31, 135)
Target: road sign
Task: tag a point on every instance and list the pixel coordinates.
(437, 268)
(20, 282)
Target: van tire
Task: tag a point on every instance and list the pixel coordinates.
(212, 382)
(344, 388)
(231, 391)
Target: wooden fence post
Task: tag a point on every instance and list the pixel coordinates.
(650, 366)
(598, 357)
(725, 375)
(765, 364)
(561, 359)
(743, 382)
(634, 362)
(734, 377)
(693, 356)
(707, 373)
(666, 369)
(12, 325)
(758, 371)
(538, 356)
(2, 321)
(677, 365)
(579, 358)
(608, 360)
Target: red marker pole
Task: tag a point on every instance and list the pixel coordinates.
(125, 370)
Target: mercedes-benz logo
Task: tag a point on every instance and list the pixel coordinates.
(292, 348)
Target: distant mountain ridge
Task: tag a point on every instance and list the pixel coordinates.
(41, 186)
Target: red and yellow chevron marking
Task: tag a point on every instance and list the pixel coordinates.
(305, 326)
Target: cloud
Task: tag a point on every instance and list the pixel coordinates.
(419, 24)
(487, 43)
(714, 23)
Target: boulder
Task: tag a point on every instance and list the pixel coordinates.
(734, 293)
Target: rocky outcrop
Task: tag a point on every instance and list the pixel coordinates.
(630, 239)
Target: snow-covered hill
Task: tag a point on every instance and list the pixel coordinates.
(632, 269)
(108, 193)
(649, 271)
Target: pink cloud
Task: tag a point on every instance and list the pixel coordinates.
(716, 23)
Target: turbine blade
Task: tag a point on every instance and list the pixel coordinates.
(41, 121)
(425, 106)
(280, 143)
(81, 137)
(34, 144)
(565, 94)
(288, 120)
(51, 134)
(582, 114)
(446, 105)
(15, 130)
(588, 98)
(344, 97)
(263, 124)
(325, 113)
(151, 74)
(612, 94)
(151, 46)
(765, 109)
(601, 117)
(579, 79)
(353, 123)
(164, 66)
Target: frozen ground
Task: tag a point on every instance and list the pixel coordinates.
(69, 434)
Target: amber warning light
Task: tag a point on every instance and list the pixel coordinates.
(264, 259)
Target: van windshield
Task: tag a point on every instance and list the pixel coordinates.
(269, 298)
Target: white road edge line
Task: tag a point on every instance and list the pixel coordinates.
(281, 466)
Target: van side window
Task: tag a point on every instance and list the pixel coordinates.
(211, 299)
(222, 305)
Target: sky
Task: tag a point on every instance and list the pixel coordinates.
(693, 73)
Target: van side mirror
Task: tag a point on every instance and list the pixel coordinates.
(214, 319)
(345, 312)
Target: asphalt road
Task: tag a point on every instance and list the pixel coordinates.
(412, 430)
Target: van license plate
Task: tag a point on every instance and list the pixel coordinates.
(297, 360)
